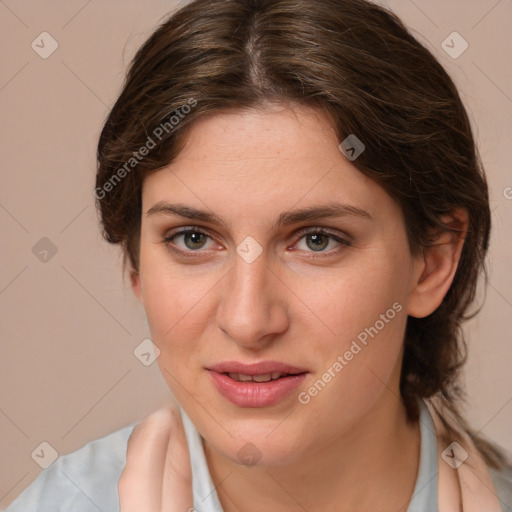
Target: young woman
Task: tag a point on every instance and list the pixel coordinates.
(304, 216)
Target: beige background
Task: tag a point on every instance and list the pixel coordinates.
(69, 325)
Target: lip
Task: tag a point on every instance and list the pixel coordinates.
(255, 368)
(256, 394)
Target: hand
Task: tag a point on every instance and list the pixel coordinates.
(157, 476)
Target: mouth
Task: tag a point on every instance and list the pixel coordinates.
(256, 385)
(264, 377)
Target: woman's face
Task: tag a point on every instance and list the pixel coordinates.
(254, 283)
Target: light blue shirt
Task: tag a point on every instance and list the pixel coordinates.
(86, 480)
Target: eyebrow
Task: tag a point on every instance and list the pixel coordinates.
(313, 212)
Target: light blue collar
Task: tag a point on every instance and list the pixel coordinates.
(424, 497)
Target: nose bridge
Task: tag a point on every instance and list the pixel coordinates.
(250, 308)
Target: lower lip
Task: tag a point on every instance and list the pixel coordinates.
(256, 394)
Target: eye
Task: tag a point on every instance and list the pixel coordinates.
(193, 239)
(318, 239)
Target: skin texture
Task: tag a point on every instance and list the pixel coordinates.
(350, 447)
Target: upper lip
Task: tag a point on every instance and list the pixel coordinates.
(260, 368)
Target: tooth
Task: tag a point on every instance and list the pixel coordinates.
(244, 378)
(234, 376)
(276, 375)
(262, 378)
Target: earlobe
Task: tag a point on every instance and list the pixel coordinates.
(438, 265)
(136, 284)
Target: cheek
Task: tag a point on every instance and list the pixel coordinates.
(177, 309)
(173, 309)
(357, 370)
(361, 311)
(172, 294)
(348, 299)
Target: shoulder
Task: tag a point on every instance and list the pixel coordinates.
(502, 480)
(82, 481)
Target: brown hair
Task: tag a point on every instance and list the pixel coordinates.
(357, 63)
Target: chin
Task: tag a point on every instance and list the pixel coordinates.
(257, 442)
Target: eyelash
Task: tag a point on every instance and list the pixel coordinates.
(167, 240)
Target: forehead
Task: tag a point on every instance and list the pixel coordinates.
(274, 132)
(256, 161)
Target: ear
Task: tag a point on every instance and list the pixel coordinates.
(136, 284)
(437, 266)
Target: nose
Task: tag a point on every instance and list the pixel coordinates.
(252, 309)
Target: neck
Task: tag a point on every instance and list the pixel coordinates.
(371, 467)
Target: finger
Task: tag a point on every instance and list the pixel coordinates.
(140, 485)
(177, 493)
